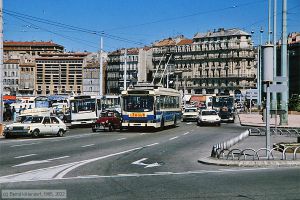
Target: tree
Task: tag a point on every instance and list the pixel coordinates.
(294, 103)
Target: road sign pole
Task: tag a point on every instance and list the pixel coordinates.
(268, 138)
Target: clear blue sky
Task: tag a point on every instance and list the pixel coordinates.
(133, 23)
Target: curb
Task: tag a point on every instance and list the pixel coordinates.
(243, 163)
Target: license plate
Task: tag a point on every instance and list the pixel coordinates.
(137, 115)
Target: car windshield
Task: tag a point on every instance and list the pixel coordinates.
(210, 112)
(33, 120)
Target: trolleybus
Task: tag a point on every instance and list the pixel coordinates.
(150, 106)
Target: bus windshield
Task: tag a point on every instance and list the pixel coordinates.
(138, 103)
(80, 105)
(223, 101)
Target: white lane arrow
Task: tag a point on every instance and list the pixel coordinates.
(153, 165)
(33, 162)
(140, 162)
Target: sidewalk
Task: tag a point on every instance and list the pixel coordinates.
(255, 120)
(257, 142)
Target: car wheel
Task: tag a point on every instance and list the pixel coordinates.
(110, 127)
(94, 130)
(7, 135)
(35, 133)
(60, 133)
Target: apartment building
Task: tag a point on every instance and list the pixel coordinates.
(138, 64)
(10, 76)
(293, 49)
(26, 79)
(219, 61)
(59, 73)
(27, 50)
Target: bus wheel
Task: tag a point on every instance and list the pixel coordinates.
(162, 124)
(175, 122)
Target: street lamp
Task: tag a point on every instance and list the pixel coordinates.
(259, 69)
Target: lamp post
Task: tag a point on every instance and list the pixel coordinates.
(259, 68)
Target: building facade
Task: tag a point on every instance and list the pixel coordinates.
(27, 79)
(222, 61)
(59, 73)
(10, 76)
(138, 65)
(26, 51)
(293, 48)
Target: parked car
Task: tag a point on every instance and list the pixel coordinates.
(208, 117)
(36, 126)
(190, 114)
(109, 120)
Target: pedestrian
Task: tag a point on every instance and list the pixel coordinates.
(9, 114)
(14, 114)
(20, 110)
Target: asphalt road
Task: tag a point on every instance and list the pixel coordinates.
(139, 165)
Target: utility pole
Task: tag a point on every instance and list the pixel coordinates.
(125, 69)
(1, 62)
(274, 95)
(259, 75)
(269, 21)
(101, 69)
(284, 94)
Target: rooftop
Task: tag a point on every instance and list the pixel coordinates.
(221, 32)
(30, 43)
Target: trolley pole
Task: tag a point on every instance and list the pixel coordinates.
(1, 62)
(125, 69)
(101, 69)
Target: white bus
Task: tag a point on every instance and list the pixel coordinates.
(150, 106)
(84, 109)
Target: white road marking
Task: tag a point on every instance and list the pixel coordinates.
(33, 162)
(142, 133)
(173, 138)
(121, 139)
(167, 173)
(49, 138)
(58, 158)
(140, 162)
(88, 145)
(156, 164)
(149, 145)
(186, 133)
(19, 145)
(25, 156)
(189, 123)
(58, 171)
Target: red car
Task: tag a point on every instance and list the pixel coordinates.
(109, 120)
